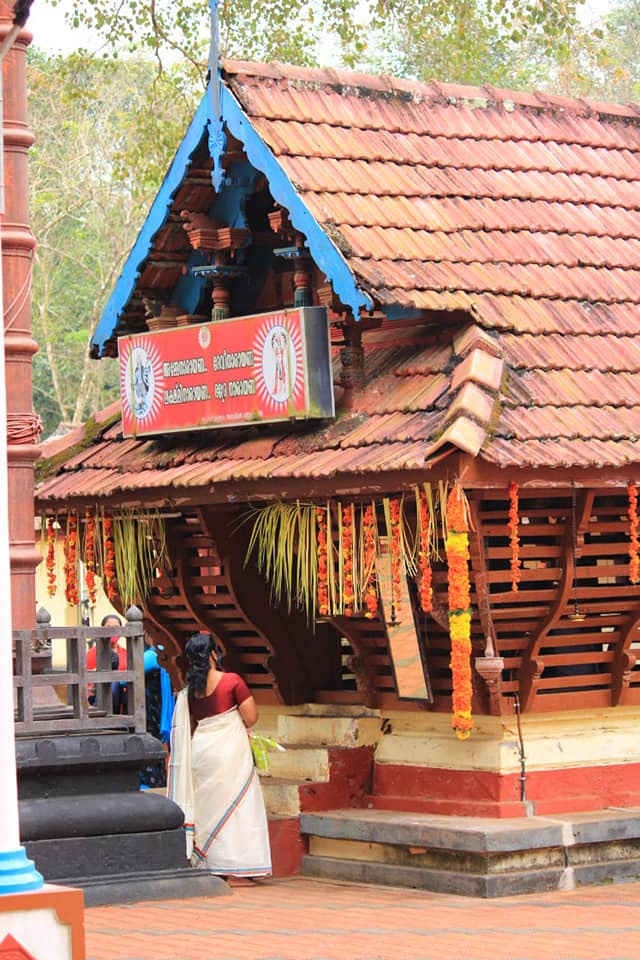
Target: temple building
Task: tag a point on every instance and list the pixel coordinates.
(379, 346)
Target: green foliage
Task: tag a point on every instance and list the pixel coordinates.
(509, 42)
(101, 150)
(617, 72)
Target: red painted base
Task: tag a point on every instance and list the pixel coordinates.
(350, 780)
(288, 846)
(474, 793)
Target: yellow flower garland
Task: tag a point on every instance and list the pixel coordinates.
(457, 547)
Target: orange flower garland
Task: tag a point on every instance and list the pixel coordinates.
(347, 560)
(424, 564)
(457, 547)
(90, 557)
(71, 561)
(50, 560)
(369, 537)
(109, 570)
(514, 539)
(634, 561)
(323, 588)
(396, 595)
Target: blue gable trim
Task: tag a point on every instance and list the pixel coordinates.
(323, 250)
(155, 220)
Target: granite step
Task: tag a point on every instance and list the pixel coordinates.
(473, 856)
(326, 730)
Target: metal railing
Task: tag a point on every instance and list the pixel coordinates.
(68, 687)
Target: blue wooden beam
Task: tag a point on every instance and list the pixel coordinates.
(156, 219)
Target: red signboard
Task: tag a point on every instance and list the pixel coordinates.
(268, 367)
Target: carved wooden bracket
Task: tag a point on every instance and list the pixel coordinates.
(623, 660)
(490, 669)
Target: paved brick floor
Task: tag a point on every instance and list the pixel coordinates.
(316, 920)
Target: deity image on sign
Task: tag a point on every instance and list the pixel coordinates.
(278, 364)
(278, 342)
(141, 374)
(142, 383)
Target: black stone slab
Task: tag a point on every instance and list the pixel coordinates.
(90, 815)
(151, 885)
(97, 857)
(62, 765)
(438, 881)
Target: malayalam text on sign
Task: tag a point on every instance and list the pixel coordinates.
(267, 367)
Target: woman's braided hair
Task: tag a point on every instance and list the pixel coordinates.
(198, 650)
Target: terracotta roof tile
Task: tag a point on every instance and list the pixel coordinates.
(506, 216)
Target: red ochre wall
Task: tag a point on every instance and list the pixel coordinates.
(574, 761)
(481, 793)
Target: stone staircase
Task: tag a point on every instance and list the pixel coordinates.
(469, 856)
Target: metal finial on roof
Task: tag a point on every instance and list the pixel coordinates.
(217, 138)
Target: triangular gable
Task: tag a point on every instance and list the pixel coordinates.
(323, 250)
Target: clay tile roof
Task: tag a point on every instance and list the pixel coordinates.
(510, 220)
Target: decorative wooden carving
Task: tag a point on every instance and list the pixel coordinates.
(210, 235)
(280, 223)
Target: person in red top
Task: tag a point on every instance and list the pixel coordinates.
(211, 771)
(118, 662)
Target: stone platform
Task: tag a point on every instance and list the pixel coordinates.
(85, 823)
(473, 856)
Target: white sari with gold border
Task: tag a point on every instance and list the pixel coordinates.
(213, 779)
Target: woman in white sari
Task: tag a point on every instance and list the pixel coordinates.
(212, 776)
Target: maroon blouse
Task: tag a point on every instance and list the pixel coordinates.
(230, 692)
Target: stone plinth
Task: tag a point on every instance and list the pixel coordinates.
(85, 823)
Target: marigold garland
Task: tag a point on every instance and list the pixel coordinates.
(71, 561)
(50, 561)
(90, 557)
(369, 545)
(424, 562)
(109, 566)
(457, 548)
(395, 519)
(514, 539)
(634, 544)
(348, 595)
(323, 587)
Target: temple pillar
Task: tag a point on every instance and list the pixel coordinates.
(17, 874)
(18, 246)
